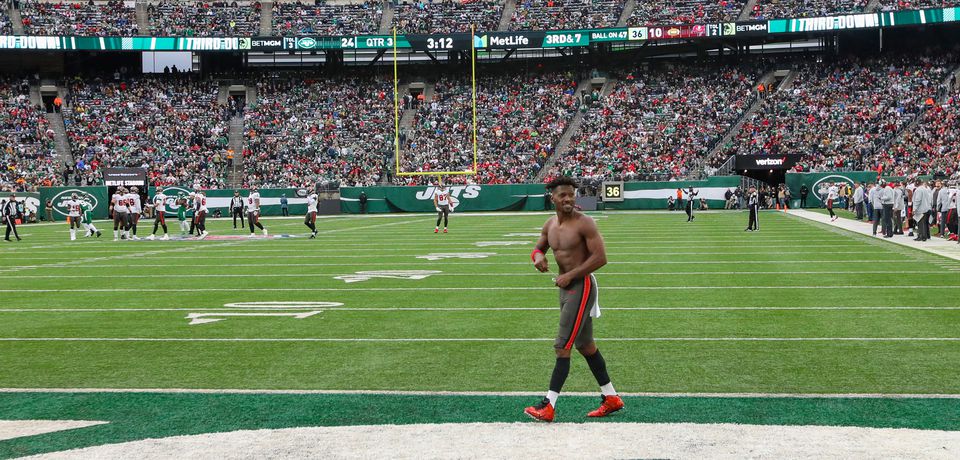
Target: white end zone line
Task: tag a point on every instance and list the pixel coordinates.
(483, 393)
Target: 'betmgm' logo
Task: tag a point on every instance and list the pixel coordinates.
(468, 191)
(771, 161)
(60, 200)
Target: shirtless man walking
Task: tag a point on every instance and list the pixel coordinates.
(578, 250)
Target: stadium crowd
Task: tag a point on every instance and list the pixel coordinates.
(930, 147)
(519, 122)
(327, 19)
(658, 124)
(838, 114)
(204, 19)
(445, 16)
(304, 130)
(89, 18)
(566, 14)
(171, 126)
(770, 9)
(28, 152)
(686, 11)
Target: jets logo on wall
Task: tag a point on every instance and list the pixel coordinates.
(60, 200)
(172, 194)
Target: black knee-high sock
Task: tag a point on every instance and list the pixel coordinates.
(439, 216)
(599, 368)
(560, 371)
(445, 220)
(157, 224)
(312, 226)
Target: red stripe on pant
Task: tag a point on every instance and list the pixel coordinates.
(583, 305)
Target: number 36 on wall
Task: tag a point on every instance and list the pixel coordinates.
(613, 191)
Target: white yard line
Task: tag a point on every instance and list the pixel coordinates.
(485, 393)
(471, 339)
(448, 262)
(498, 288)
(504, 274)
(458, 309)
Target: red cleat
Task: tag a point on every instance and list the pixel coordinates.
(542, 412)
(436, 230)
(609, 405)
(444, 230)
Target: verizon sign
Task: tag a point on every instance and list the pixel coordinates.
(767, 161)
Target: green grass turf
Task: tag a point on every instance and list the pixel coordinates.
(666, 280)
(657, 262)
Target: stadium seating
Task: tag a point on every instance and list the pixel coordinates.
(889, 5)
(566, 14)
(519, 122)
(838, 114)
(204, 19)
(28, 151)
(929, 148)
(304, 131)
(658, 125)
(99, 18)
(171, 126)
(769, 9)
(6, 26)
(325, 19)
(686, 11)
(444, 16)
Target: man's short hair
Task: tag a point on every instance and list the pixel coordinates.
(561, 181)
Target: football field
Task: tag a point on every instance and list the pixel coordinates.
(701, 322)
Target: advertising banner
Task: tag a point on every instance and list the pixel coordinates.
(522, 197)
(653, 195)
(124, 176)
(95, 196)
(220, 200)
(775, 162)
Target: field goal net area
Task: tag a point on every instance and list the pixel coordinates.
(438, 135)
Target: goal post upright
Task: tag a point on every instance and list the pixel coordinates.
(473, 84)
(473, 107)
(396, 105)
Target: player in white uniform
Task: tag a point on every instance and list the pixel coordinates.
(159, 206)
(73, 215)
(832, 194)
(133, 202)
(253, 211)
(119, 210)
(444, 204)
(311, 219)
(200, 201)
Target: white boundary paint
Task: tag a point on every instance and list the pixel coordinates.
(936, 246)
(541, 441)
(11, 429)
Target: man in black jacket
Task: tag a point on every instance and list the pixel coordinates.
(753, 203)
(236, 208)
(9, 213)
(804, 191)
